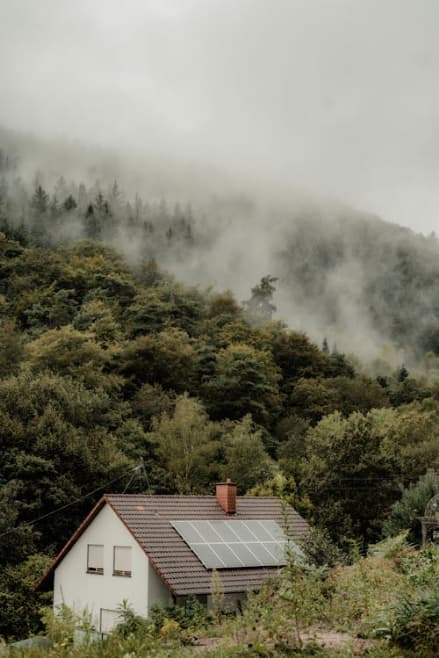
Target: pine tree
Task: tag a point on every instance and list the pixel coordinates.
(40, 201)
(69, 203)
(402, 374)
(260, 307)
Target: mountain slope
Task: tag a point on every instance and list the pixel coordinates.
(367, 285)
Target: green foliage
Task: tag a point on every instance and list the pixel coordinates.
(60, 626)
(223, 307)
(313, 399)
(415, 621)
(285, 488)
(245, 382)
(297, 357)
(358, 593)
(350, 475)
(391, 547)
(11, 348)
(55, 445)
(414, 438)
(279, 614)
(301, 591)
(320, 550)
(260, 307)
(290, 435)
(15, 544)
(164, 306)
(130, 623)
(103, 363)
(66, 351)
(404, 513)
(292, 615)
(421, 568)
(97, 318)
(217, 593)
(150, 401)
(166, 358)
(245, 459)
(192, 615)
(397, 286)
(19, 603)
(186, 445)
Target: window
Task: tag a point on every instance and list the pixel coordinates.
(95, 558)
(122, 561)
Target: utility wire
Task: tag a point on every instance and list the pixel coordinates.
(128, 484)
(74, 502)
(145, 475)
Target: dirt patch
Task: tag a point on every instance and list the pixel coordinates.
(208, 642)
(324, 638)
(336, 640)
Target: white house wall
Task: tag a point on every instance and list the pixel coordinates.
(94, 592)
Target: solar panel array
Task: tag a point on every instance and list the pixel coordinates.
(234, 544)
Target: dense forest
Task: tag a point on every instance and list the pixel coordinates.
(116, 375)
(104, 367)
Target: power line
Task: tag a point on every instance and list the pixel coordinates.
(128, 484)
(145, 475)
(74, 502)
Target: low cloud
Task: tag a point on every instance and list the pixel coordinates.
(338, 98)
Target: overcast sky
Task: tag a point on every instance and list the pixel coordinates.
(340, 97)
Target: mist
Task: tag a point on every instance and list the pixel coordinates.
(367, 286)
(289, 127)
(333, 98)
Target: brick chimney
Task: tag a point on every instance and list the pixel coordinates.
(226, 496)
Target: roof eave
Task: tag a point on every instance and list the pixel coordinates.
(71, 542)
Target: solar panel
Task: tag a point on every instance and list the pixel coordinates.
(235, 544)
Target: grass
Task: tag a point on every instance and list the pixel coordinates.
(389, 594)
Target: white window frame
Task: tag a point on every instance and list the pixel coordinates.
(95, 570)
(118, 572)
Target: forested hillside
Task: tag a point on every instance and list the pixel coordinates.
(365, 284)
(127, 363)
(118, 377)
(219, 276)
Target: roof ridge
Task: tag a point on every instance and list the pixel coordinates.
(122, 495)
(187, 496)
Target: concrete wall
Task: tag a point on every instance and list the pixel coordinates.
(95, 592)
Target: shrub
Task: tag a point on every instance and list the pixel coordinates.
(320, 550)
(415, 623)
(391, 548)
(60, 625)
(170, 629)
(283, 609)
(360, 591)
(131, 623)
(412, 620)
(193, 615)
(421, 568)
(405, 512)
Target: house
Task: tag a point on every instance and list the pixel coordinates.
(158, 549)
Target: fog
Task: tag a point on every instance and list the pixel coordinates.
(287, 124)
(337, 98)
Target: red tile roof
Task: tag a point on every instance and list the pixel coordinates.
(148, 519)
